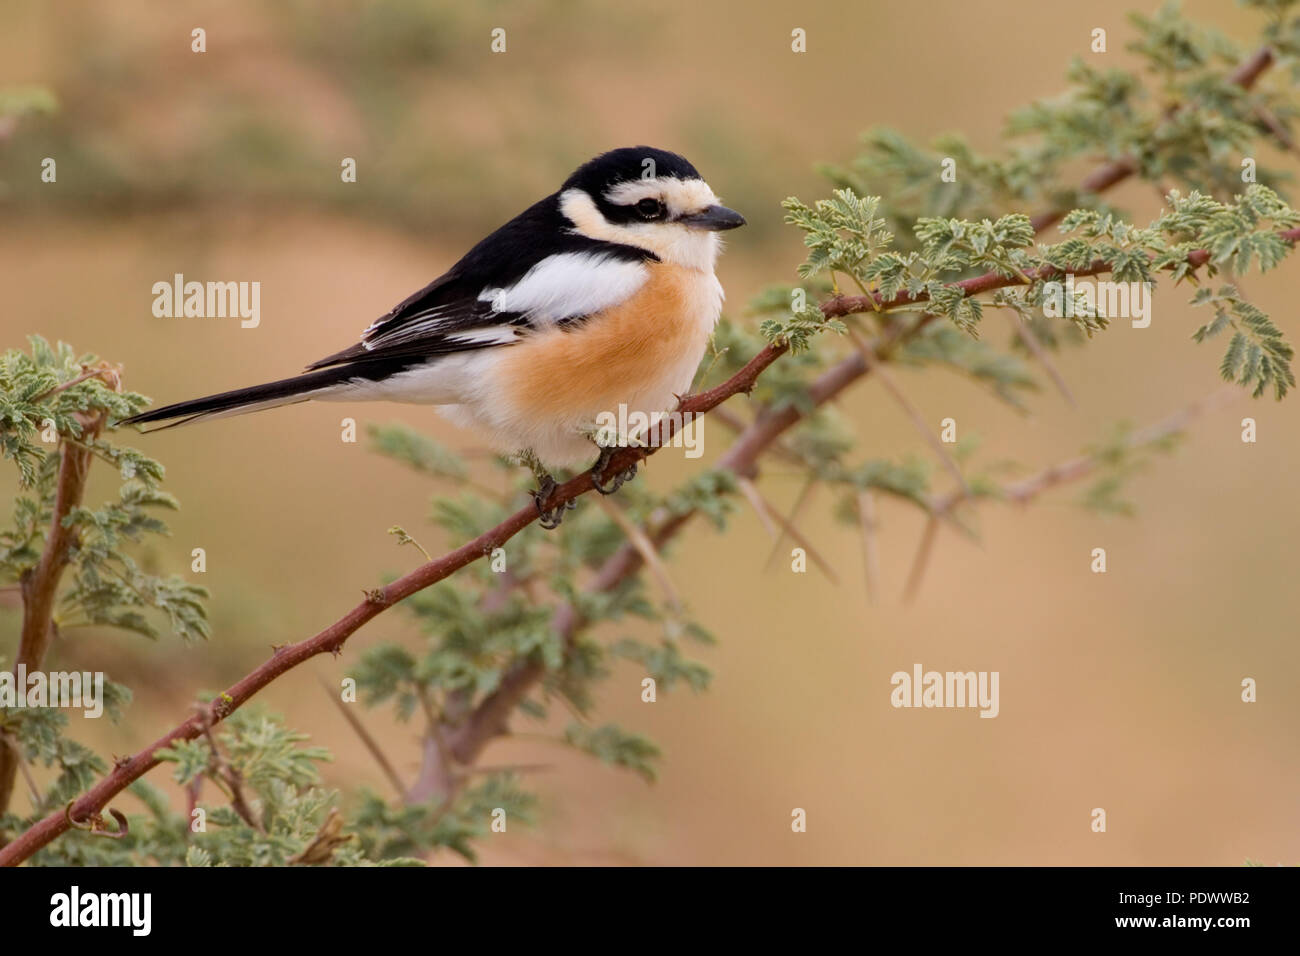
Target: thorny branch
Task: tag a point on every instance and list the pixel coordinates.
(40, 585)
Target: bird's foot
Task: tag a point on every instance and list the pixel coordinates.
(607, 485)
(549, 518)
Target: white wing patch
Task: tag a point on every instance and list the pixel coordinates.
(567, 286)
(563, 286)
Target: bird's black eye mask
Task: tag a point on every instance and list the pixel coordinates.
(629, 164)
(714, 217)
(648, 209)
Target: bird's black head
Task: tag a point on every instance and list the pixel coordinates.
(649, 198)
(597, 176)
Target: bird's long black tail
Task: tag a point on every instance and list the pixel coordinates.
(287, 391)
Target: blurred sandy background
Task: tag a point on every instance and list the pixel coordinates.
(1118, 691)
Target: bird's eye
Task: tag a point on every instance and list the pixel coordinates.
(650, 208)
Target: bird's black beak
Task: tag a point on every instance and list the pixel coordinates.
(715, 218)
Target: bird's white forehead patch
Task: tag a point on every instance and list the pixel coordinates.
(680, 195)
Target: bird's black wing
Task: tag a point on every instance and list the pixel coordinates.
(457, 311)
(533, 271)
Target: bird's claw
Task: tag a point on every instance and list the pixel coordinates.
(598, 472)
(549, 518)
